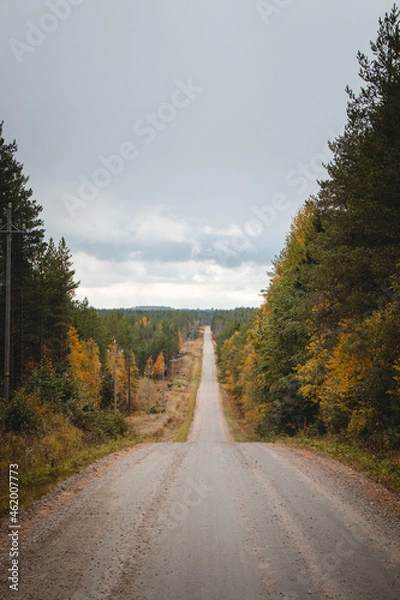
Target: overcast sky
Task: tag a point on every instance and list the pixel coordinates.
(171, 142)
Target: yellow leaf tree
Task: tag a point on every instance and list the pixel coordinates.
(250, 398)
(85, 365)
(116, 364)
(149, 368)
(159, 365)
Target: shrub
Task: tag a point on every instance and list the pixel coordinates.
(94, 422)
(45, 383)
(21, 415)
(113, 424)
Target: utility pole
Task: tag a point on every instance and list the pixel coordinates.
(115, 376)
(172, 361)
(115, 352)
(163, 387)
(9, 229)
(149, 374)
(128, 364)
(7, 331)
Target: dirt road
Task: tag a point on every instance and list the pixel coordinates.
(213, 520)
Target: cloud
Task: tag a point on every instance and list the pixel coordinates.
(111, 229)
(188, 284)
(153, 224)
(194, 213)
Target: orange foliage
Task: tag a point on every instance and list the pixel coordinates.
(85, 365)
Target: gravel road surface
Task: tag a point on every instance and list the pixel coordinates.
(211, 519)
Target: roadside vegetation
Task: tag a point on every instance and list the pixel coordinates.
(52, 431)
(324, 348)
(172, 401)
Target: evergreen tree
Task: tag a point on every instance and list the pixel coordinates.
(56, 302)
(26, 248)
(90, 325)
(280, 332)
(359, 247)
(355, 343)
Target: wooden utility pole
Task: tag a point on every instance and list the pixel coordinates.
(128, 362)
(172, 361)
(163, 386)
(8, 229)
(149, 374)
(115, 376)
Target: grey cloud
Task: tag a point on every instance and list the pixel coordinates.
(271, 92)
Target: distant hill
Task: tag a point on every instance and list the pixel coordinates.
(150, 308)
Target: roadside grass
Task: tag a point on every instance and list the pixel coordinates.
(37, 474)
(381, 467)
(241, 430)
(183, 430)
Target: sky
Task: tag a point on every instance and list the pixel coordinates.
(171, 142)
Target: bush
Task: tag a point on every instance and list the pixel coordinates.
(82, 412)
(113, 425)
(94, 422)
(45, 383)
(21, 415)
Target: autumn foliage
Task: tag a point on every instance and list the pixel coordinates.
(325, 345)
(85, 365)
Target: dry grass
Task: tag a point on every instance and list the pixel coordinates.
(177, 408)
(242, 430)
(58, 454)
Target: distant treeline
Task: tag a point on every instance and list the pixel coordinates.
(325, 344)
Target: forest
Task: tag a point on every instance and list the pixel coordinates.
(324, 348)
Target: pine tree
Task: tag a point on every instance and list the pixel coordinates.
(179, 342)
(90, 325)
(354, 346)
(57, 294)
(359, 248)
(26, 249)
